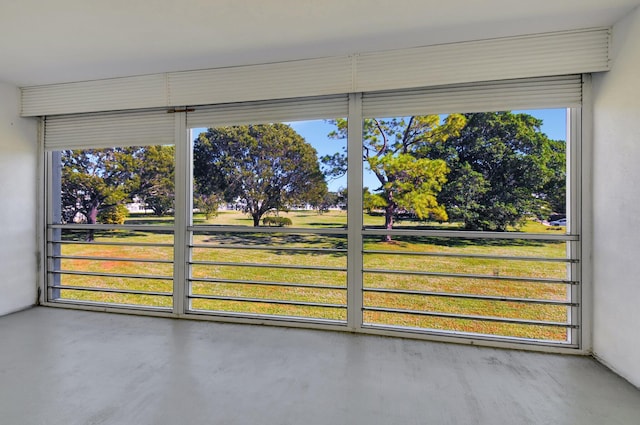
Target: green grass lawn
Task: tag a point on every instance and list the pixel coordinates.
(223, 248)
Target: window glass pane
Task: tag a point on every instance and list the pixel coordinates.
(491, 171)
(258, 179)
(118, 187)
(132, 185)
(274, 175)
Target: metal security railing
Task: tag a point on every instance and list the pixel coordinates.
(498, 285)
(114, 265)
(294, 274)
(505, 286)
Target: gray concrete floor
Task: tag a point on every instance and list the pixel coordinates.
(74, 367)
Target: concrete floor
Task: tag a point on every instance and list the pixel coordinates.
(74, 367)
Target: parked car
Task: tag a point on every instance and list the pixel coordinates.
(561, 222)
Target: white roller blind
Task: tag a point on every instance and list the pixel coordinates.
(269, 111)
(140, 128)
(531, 93)
(312, 77)
(538, 55)
(145, 92)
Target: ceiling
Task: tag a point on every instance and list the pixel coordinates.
(44, 41)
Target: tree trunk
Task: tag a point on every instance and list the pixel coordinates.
(92, 218)
(256, 220)
(388, 220)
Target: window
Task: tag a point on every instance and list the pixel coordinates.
(440, 211)
(471, 197)
(111, 226)
(269, 212)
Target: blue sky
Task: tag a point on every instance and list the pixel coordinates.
(316, 133)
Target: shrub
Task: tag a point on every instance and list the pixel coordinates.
(276, 221)
(116, 214)
(208, 204)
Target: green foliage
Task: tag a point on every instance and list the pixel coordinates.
(499, 168)
(327, 201)
(414, 183)
(334, 166)
(153, 181)
(555, 186)
(408, 181)
(92, 180)
(115, 214)
(265, 167)
(372, 201)
(503, 169)
(208, 204)
(98, 182)
(276, 221)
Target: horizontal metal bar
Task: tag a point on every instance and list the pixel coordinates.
(118, 291)
(106, 306)
(266, 266)
(472, 337)
(472, 276)
(122, 275)
(471, 317)
(266, 301)
(470, 296)
(249, 229)
(266, 248)
(482, 256)
(148, 244)
(266, 283)
(135, 227)
(275, 319)
(463, 234)
(133, 260)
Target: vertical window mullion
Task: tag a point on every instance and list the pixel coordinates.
(182, 215)
(583, 119)
(354, 212)
(53, 216)
(574, 213)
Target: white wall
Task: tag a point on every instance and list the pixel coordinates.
(18, 159)
(616, 209)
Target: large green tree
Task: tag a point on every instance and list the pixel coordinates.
(503, 168)
(265, 167)
(153, 179)
(94, 180)
(391, 147)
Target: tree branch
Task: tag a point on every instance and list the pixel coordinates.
(384, 138)
(405, 136)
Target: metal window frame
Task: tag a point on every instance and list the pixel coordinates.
(579, 154)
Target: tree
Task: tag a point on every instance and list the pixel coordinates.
(265, 167)
(372, 201)
(208, 204)
(391, 150)
(93, 180)
(328, 200)
(153, 181)
(554, 190)
(115, 214)
(503, 168)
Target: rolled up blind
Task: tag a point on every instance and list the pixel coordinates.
(529, 93)
(326, 107)
(536, 55)
(89, 131)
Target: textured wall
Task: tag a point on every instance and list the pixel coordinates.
(18, 159)
(616, 205)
